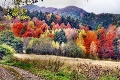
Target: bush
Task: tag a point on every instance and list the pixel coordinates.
(6, 50)
(8, 38)
(46, 46)
(76, 76)
(26, 41)
(28, 50)
(40, 46)
(18, 45)
(72, 50)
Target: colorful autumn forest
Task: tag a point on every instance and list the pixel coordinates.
(54, 37)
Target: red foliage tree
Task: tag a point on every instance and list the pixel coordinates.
(19, 29)
(68, 25)
(57, 26)
(38, 32)
(2, 28)
(106, 43)
(29, 33)
(51, 35)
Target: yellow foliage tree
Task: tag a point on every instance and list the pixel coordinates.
(80, 41)
(31, 24)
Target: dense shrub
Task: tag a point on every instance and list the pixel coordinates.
(46, 46)
(6, 50)
(40, 46)
(26, 41)
(8, 38)
(72, 50)
(18, 44)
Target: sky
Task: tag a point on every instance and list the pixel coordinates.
(95, 6)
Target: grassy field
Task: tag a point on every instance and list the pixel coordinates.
(68, 60)
(51, 67)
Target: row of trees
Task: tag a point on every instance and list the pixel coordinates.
(64, 35)
(101, 42)
(47, 17)
(90, 20)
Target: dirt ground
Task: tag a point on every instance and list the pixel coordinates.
(12, 73)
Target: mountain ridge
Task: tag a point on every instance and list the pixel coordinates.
(67, 11)
(83, 16)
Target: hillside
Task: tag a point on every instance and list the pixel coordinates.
(71, 11)
(67, 11)
(84, 17)
(32, 8)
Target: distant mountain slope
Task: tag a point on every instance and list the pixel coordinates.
(67, 11)
(71, 11)
(83, 16)
(32, 8)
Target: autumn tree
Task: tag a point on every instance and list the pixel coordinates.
(71, 34)
(116, 43)
(106, 47)
(90, 37)
(68, 25)
(52, 19)
(19, 29)
(80, 39)
(93, 49)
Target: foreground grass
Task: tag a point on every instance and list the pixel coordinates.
(51, 69)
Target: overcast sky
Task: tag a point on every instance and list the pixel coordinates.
(96, 6)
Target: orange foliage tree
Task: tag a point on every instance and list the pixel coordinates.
(91, 36)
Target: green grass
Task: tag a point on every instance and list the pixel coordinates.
(108, 78)
(47, 72)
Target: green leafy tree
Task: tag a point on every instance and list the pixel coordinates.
(52, 19)
(63, 20)
(60, 37)
(8, 38)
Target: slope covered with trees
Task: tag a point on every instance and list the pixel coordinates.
(90, 19)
